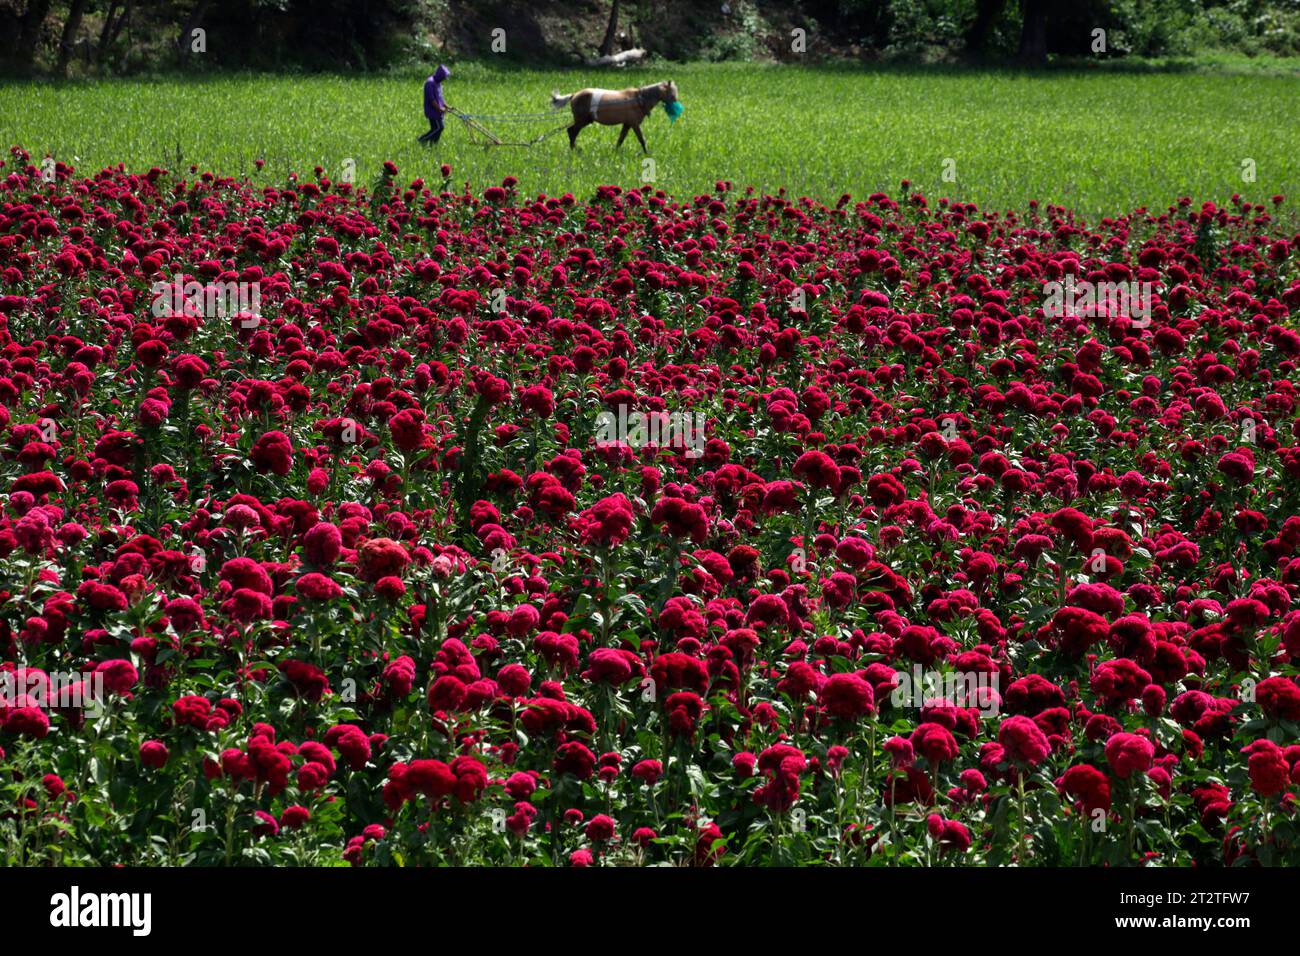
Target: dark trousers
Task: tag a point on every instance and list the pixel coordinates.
(435, 129)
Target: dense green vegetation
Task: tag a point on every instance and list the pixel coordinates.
(105, 37)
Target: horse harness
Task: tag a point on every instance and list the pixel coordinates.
(640, 97)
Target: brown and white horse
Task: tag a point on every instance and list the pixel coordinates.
(615, 107)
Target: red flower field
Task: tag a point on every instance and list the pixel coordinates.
(424, 525)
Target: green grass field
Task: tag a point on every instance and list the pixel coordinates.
(1099, 141)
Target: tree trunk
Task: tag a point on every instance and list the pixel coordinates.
(10, 24)
(126, 22)
(112, 29)
(69, 38)
(977, 34)
(611, 30)
(102, 45)
(192, 22)
(1033, 33)
(29, 33)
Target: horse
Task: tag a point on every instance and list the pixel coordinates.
(614, 107)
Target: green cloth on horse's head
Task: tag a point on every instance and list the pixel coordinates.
(674, 110)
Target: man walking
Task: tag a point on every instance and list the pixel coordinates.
(434, 104)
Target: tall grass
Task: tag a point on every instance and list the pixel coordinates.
(1099, 142)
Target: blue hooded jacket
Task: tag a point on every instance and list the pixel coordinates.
(433, 101)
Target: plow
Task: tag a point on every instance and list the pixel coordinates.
(481, 134)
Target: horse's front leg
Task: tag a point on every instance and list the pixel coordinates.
(622, 136)
(637, 130)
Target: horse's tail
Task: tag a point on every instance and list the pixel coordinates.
(559, 99)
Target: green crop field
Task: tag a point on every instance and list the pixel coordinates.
(1100, 142)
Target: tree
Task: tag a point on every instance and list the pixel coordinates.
(980, 30)
(611, 30)
(1033, 32)
(29, 33)
(1034, 16)
(112, 28)
(68, 39)
(192, 22)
